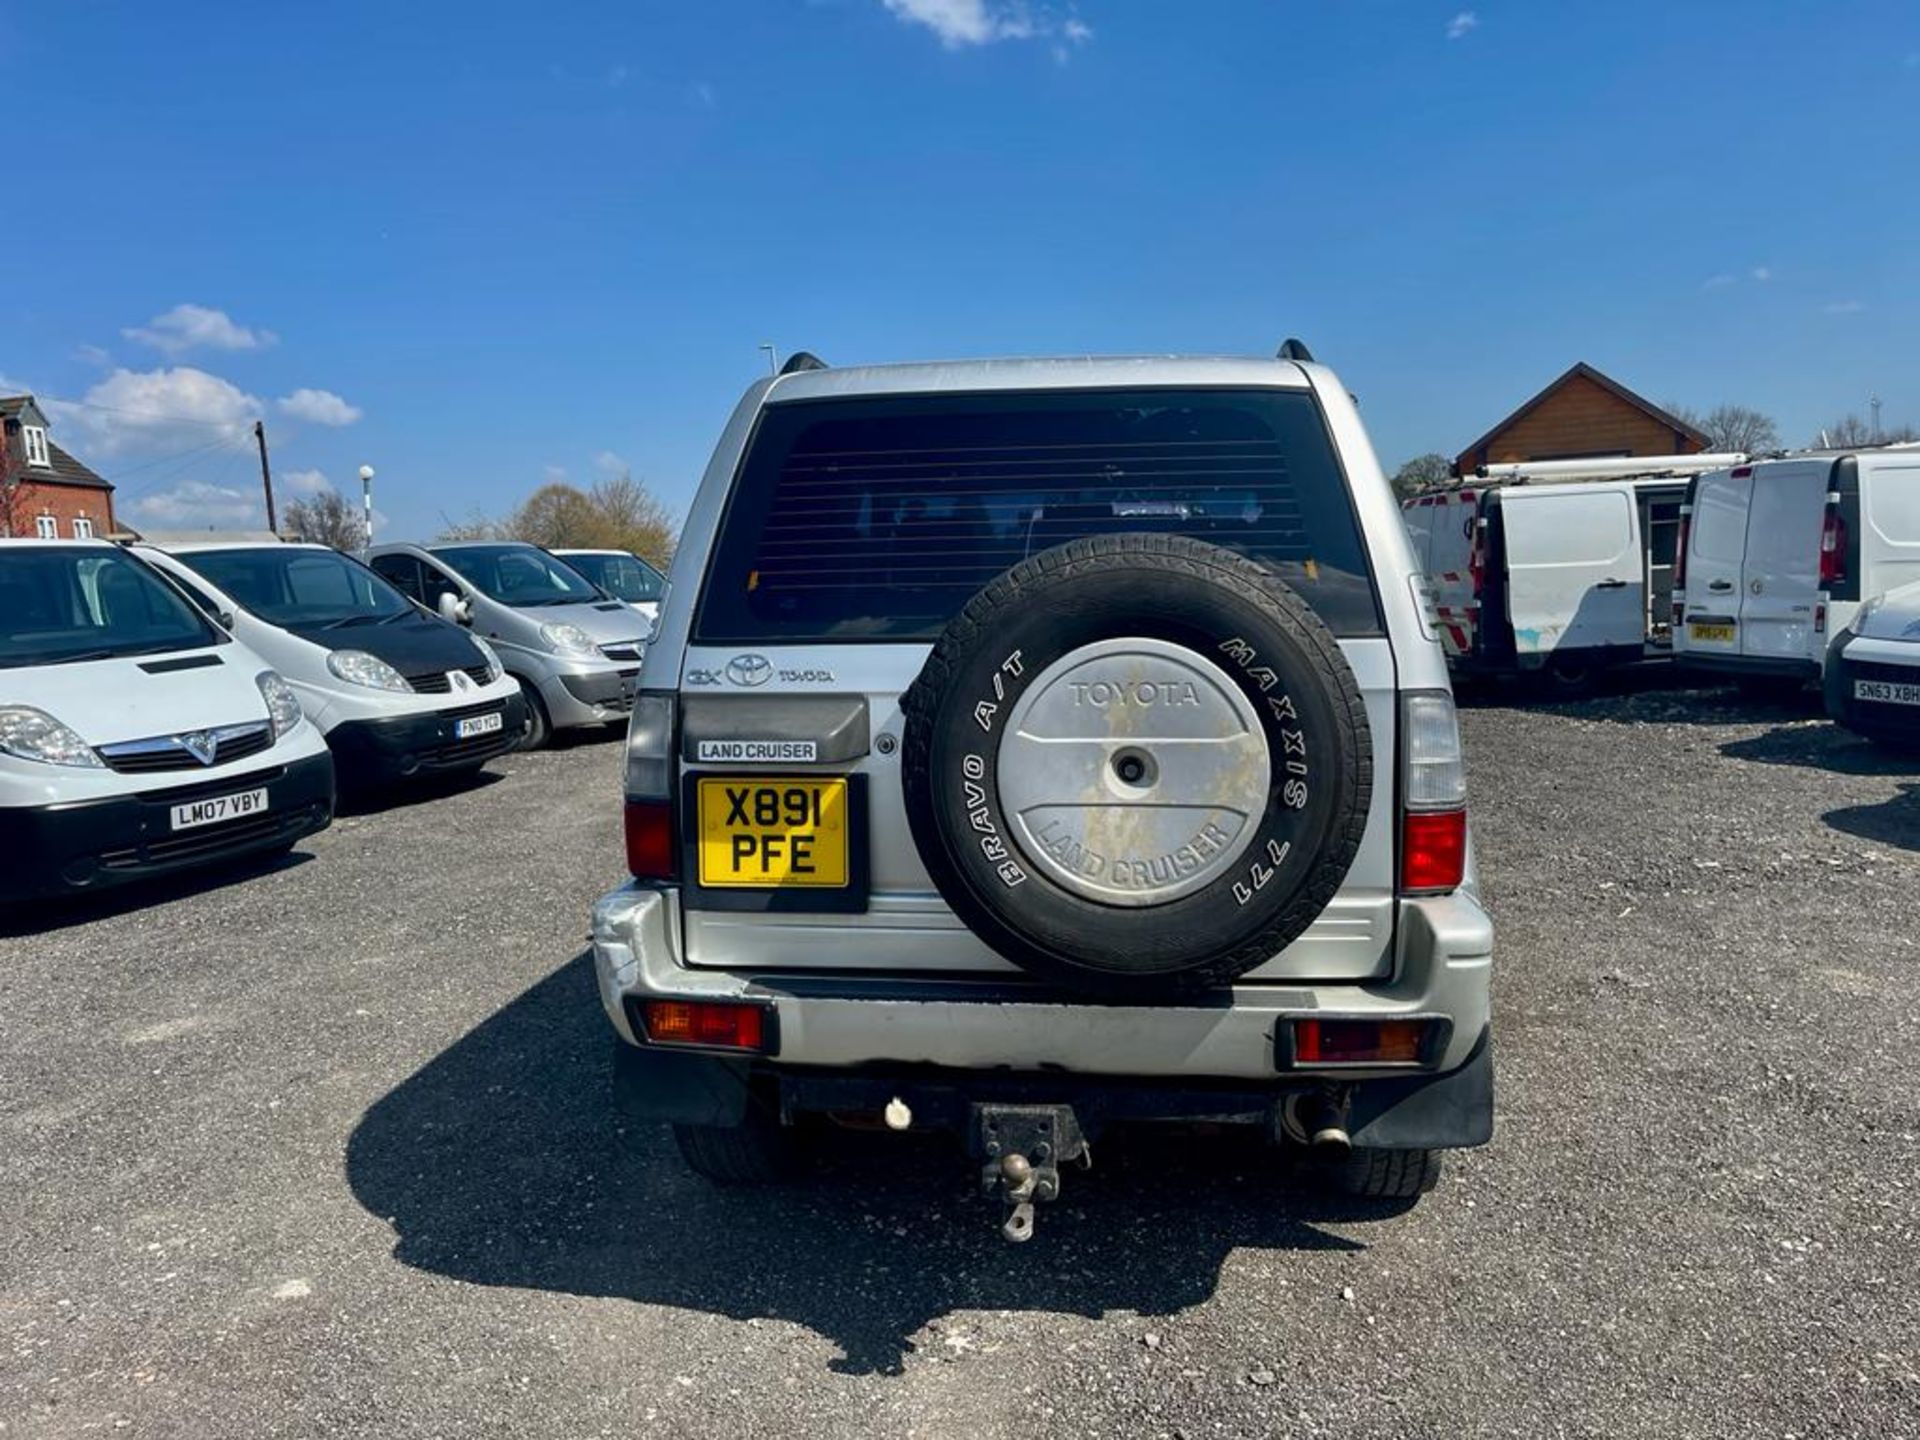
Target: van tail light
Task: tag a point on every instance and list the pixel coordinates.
(652, 849)
(1433, 795)
(1833, 547)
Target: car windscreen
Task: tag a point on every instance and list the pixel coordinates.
(625, 577)
(59, 605)
(301, 589)
(878, 518)
(519, 575)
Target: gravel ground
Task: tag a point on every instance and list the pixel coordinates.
(323, 1150)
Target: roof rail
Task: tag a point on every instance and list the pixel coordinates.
(801, 361)
(1292, 349)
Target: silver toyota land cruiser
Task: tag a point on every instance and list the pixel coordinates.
(1032, 745)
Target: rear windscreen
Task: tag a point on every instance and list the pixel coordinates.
(879, 518)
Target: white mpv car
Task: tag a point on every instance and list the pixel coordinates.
(137, 738)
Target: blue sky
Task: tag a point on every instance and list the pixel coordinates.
(476, 245)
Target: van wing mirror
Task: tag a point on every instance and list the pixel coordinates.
(454, 608)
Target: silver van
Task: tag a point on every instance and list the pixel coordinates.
(1031, 745)
(575, 651)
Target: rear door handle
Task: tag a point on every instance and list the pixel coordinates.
(1611, 585)
(1719, 585)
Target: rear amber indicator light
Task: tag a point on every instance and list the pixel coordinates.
(1433, 851)
(651, 854)
(1359, 1042)
(712, 1025)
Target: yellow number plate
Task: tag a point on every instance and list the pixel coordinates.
(1722, 633)
(758, 833)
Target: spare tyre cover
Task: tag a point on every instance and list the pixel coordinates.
(1137, 764)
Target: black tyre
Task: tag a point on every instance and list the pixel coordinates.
(1386, 1174)
(539, 727)
(1137, 764)
(1569, 678)
(756, 1152)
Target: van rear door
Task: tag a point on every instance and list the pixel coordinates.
(1575, 575)
(1716, 552)
(1780, 581)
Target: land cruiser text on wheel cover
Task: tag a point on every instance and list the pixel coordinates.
(1137, 764)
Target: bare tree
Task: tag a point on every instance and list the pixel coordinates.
(1847, 433)
(1732, 427)
(1423, 472)
(328, 518)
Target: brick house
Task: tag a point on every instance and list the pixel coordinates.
(44, 491)
(1583, 415)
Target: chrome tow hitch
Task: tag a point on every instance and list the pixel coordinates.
(1023, 1147)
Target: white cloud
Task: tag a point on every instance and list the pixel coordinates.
(1460, 24)
(318, 407)
(186, 327)
(553, 474)
(303, 482)
(703, 95)
(198, 505)
(1718, 282)
(1761, 273)
(960, 23)
(610, 462)
(92, 355)
(151, 410)
(1844, 307)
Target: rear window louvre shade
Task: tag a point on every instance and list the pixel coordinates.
(876, 519)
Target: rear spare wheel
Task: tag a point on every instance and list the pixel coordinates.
(1137, 764)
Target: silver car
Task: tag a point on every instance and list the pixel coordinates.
(1028, 746)
(575, 650)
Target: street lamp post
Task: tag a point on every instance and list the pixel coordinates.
(366, 499)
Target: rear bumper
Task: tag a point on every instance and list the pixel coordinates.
(95, 844)
(423, 744)
(944, 1025)
(1786, 668)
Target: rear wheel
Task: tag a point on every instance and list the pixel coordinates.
(758, 1151)
(1386, 1174)
(539, 726)
(1569, 678)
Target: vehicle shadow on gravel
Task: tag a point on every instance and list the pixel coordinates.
(403, 795)
(1891, 822)
(497, 1164)
(1653, 695)
(43, 917)
(1821, 747)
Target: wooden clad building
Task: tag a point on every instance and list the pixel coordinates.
(1583, 415)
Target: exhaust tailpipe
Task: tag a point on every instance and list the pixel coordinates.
(1326, 1128)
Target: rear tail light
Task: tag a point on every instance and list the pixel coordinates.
(1433, 796)
(652, 853)
(1833, 547)
(706, 1024)
(1360, 1042)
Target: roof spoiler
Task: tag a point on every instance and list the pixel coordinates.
(1292, 349)
(801, 361)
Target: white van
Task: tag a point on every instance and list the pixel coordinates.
(137, 738)
(1779, 554)
(398, 693)
(1555, 580)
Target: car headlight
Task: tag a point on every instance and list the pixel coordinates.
(494, 668)
(283, 706)
(35, 735)
(357, 667)
(565, 639)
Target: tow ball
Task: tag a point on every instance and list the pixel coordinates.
(1023, 1147)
